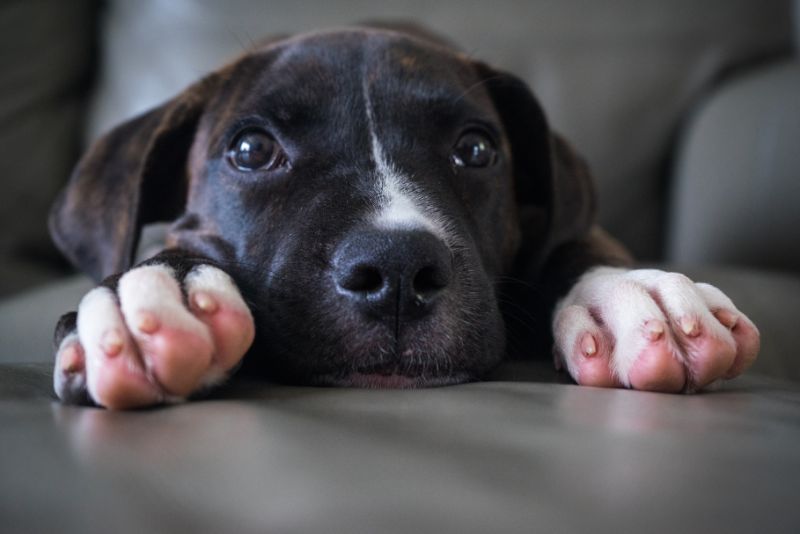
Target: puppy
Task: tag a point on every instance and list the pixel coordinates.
(364, 207)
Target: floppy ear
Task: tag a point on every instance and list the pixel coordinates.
(554, 191)
(134, 175)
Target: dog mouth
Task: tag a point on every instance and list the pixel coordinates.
(392, 376)
(314, 335)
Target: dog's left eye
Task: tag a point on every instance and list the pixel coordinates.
(255, 149)
(474, 149)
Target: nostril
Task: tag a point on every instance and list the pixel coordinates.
(362, 279)
(429, 280)
(391, 274)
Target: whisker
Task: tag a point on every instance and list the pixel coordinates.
(475, 85)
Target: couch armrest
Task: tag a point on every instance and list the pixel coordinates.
(738, 175)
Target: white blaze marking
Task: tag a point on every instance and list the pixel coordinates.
(399, 204)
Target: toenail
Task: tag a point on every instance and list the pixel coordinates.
(146, 322)
(71, 361)
(727, 318)
(588, 345)
(111, 342)
(204, 302)
(654, 330)
(689, 326)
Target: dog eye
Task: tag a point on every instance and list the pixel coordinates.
(474, 149)
(255, 149)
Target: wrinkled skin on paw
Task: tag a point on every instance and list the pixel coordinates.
(651, 330)
(156, 339)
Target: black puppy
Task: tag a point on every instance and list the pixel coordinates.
(360, 208)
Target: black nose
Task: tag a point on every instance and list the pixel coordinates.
(392, 274)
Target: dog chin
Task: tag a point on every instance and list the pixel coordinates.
(389, 381)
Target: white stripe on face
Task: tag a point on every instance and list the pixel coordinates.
(400, 206)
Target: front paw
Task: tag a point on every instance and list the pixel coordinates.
(650, 330)
(156, 339)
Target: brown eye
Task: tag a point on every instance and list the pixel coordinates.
(474, 149)
(255, 149)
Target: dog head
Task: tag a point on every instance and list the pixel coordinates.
(366, 188)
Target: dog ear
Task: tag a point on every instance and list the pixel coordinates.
(554, 191)
(134, 175)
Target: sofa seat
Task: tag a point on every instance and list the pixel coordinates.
(532, 455)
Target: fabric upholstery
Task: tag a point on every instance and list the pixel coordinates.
(737, 183)
(46, 60)
(499, 457)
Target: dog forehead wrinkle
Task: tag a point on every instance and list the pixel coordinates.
(399, 204)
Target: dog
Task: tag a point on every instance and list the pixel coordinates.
(364, 207)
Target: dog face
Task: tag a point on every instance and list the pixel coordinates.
(365, 188)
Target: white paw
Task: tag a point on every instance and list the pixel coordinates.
(154, 340)
(650, 330)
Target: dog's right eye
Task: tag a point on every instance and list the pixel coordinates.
(255, 149)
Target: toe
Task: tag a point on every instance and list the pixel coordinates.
(703, 345)
(657, 369)
(216, 302)
(707, 348)
(591, 359)
(71, 359)
(115, 376)
(118, 387)
(69, 375)
(746, 337)
(231, 328)
(584, 347)
(709, 358)
(745, 334)
(176, 347)
(176, 356)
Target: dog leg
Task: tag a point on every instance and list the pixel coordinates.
(158, 335)
(651, 330)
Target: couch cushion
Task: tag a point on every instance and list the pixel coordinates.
(490, 457)
(28, 319)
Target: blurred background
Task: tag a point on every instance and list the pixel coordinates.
(688, 112)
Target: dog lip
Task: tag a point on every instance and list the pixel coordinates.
(382, 381)
(390, 380)
(388, 369)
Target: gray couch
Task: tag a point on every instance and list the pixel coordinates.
(688, 113)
